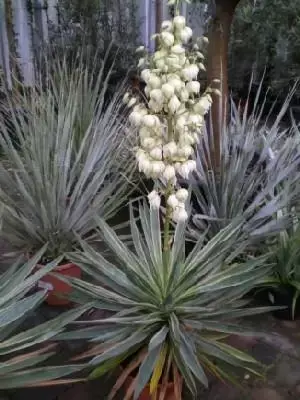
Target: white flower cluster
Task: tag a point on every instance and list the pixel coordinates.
(171, 121)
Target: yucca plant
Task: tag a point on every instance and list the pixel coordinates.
(24, 352)
(51, 191)
(284, 284)
(170, 314)
(257, 158)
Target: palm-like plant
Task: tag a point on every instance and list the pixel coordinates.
(256, 160)
(170, 314)
(53, 184)
(23, 353)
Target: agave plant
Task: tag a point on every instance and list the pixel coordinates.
(53, 185)
(257, 159)
(169, 314)
(23, 353)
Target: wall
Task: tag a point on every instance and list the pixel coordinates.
(31, 29)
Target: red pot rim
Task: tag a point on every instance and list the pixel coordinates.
(62, 267)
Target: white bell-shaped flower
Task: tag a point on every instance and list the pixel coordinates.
(167, 26)
(169, 172)
(190, 72)
(179, 22)
(150, 121)
(156, 153)
(174, 104)
(203, 105)
(193, 87)
(157, 168)
(154, 82)
(186, 34)
(148, 143)
(170, 149)
(145, 75)
(167, 39)
(173, 201)
(178, 49)
(182, 195)
(157, 95)
(180, 214)
(168, 90)
(154, 199)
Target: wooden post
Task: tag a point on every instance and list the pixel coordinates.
(219, 35)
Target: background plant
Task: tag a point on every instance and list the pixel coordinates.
(50, 191)
(257, 158)
(24, 352)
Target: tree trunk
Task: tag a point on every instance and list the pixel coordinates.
(158, 16)
(219, 35)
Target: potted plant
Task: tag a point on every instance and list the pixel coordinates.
(52, 186)
(24, 351)
(283, 288)
(170, 313)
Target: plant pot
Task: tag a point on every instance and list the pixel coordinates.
(283, 296)
(56, 286)
(145, 395)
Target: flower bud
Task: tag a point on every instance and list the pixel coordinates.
(185, 151)
(135, 118)
(203, 105)
(167, 38)
(169, 172)
(126, 98)
(180, 215)
(177, 49)
(148, 143)
(154, 199)
(132, 102)
(157, 95)
(190, 72)
(182, 195)
(172, 201)
(141, 63)
(167, 26)
(179, 22)
(184, 95)
(176, 83)
(140, 49)
(157, 168)
(156, 153)
(174, 104)
(145, 132)
(145, 75)
(168, 90)
(170, 149)
(193, 87)
(149, 121)
(154, 82)
(155, 106)
(186, 34)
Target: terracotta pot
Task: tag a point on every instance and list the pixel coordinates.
(56, 286)
(145, 395)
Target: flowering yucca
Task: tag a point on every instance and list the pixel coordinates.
(171, 121)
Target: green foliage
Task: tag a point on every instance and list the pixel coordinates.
(93, 25)
(266, 34)
(168, 311)
(23, 353)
